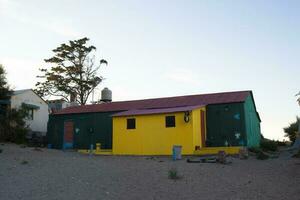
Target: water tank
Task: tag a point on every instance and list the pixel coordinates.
(106, 95)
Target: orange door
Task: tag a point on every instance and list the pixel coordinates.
(68, 134)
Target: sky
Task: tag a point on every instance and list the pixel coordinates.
(162, 48)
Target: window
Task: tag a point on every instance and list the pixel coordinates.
(170, 121)
(131, 123)
(30, 114)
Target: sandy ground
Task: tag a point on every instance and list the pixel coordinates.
(54, 174)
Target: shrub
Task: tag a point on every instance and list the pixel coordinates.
(281, 143)
(297, 155)
(292, 129)
(254, 149)
(262, 156)
(268, 145)
(24, 162)
(173, 174)
(13, 127)
(1, 150)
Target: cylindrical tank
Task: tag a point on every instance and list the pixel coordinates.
(106, 95)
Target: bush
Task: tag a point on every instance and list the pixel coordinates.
(24, 162)
(173, 174)
(20, 136)
(254, 149)
(297, 155)
(268, 145)
(262, 156)
(13, 127)
(292, 129)
(281, 143)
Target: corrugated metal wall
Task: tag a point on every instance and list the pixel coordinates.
(226, 125)
(89, 128)
(252, 123)
(55, 131)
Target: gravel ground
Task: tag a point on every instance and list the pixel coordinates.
(26, 173)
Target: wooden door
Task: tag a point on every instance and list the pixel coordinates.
(68, 134)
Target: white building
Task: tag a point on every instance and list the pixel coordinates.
(38, 108)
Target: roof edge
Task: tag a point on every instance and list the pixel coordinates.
(25, 90)
(156, 111)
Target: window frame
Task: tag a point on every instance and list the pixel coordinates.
(168, 123)
(131, 126)
(30, 114)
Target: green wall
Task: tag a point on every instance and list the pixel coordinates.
(88, 128)
(223, 124)
(226, 124)
(252, 123)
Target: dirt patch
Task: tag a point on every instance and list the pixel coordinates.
(54, 174)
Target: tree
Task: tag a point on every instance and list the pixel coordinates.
(298, 98)
(4, 88)
(4, 97)
(13, 127)
(73, 72)
(292, 129)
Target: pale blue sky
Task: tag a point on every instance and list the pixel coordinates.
(167, 48)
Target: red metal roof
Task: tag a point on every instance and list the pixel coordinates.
(166, 102)
(156, 111)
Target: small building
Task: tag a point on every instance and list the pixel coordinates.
(153, 126)
(156, 131)
(38, 110)
(55, 105)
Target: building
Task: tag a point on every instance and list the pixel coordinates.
(38, 110)
(156, 131)
(58, 104)
(153, 126)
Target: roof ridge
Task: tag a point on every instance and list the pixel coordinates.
(167, 107)
(180, 96)
(157, 110)
(22, 90)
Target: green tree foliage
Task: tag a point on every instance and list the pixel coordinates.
(13, 127)
(4, 88)
(4, 100)
(268, 145)
(73, 72)
(292, 129)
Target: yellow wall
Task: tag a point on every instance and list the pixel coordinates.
(196, 128)
(151, 137)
